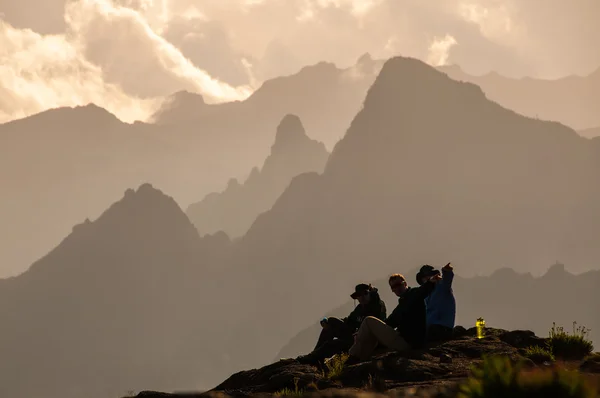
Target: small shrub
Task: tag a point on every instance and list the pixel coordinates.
(498, 377)
(288, 392)
(335, 365)
(570, 346)
(539, 354)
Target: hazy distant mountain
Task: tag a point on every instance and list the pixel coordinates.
(196, 146)
(325, 97)
(571, 100)
(429, 170)
(590, 133)
(533, 303)
(64, 165)
(113, 305)
(236, 208)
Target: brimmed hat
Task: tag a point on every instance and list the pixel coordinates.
(426, 270)
(360, 289)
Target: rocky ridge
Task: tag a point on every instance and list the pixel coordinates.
(435, 371)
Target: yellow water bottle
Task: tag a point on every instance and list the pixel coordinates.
(480, 325)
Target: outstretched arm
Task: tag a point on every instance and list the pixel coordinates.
(447, 275)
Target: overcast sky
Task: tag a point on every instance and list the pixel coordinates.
(125, 54)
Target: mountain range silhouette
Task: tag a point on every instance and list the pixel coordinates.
(85, 157)
(195, 148)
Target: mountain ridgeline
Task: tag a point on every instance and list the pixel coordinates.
(572, 100)
(236, 208)
(61, 166)
(193, 146)
(429, 171)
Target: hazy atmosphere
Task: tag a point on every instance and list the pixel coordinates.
(126, 55)
(189, 186)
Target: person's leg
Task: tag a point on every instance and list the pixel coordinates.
(333, 328)
(387, 336)
(327, 350)
(338, 328)
(374, 331)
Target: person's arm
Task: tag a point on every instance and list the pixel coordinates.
(447, 275)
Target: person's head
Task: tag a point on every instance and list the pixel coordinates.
(362, 293)
(398, 284)
(426, 273)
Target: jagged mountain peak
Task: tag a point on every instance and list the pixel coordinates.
(147, 202)
(289, 131)
(142, 218)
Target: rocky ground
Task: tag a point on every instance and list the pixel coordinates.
(434, 371)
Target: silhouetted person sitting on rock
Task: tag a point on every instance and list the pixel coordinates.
(337, 335)
(440, 304)
(405, 327)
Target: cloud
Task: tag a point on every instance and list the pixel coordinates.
(109, 55)
(41, 72)
(439, 50)
(133, 51)
(208, 43)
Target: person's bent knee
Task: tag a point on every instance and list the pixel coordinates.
(370, 320)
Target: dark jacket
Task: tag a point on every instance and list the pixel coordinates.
(375, 307)
(409, 316)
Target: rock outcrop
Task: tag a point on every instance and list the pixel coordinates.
(434, 370)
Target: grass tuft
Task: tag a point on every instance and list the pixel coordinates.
(575, 345)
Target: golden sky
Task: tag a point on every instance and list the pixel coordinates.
(126, 55)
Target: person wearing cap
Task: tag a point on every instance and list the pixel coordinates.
(440, 304)
(337, 335)
(404, 329)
